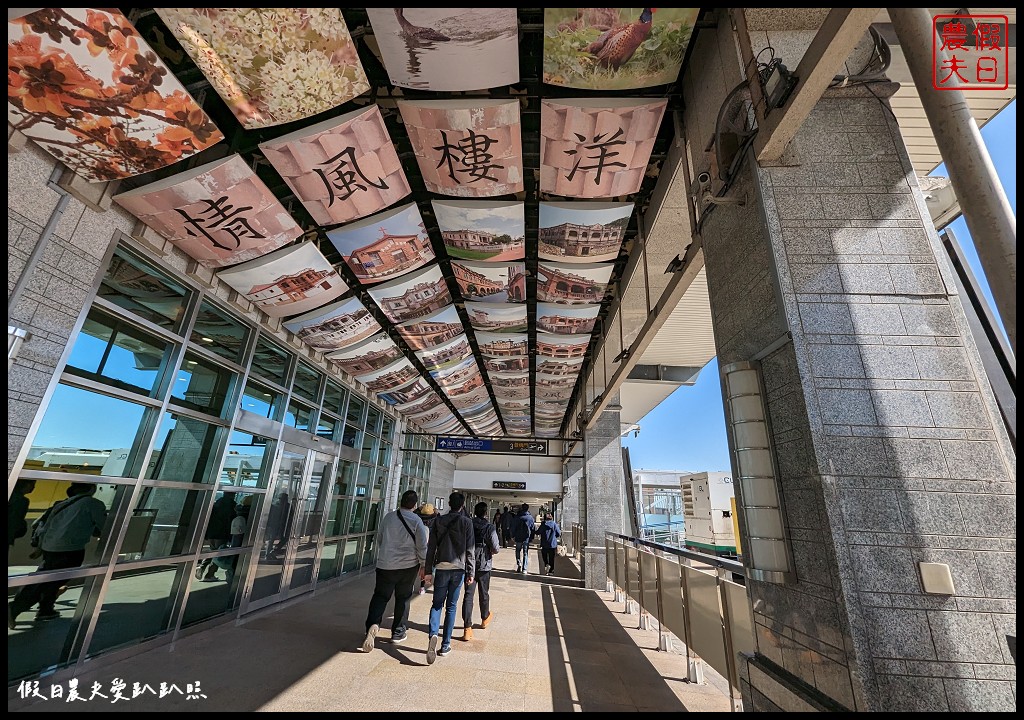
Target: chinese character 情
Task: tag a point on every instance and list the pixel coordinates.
(600, 160)
(341, 180)
(219, 215)
(477, 162)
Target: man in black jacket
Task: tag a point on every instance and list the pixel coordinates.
(486, 538)
(451, 561)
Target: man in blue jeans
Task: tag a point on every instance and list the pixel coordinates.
(523, 530)
(451, 561)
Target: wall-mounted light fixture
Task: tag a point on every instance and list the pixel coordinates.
(767, 554)
(15, 337)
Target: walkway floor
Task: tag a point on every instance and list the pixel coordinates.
(552, 646)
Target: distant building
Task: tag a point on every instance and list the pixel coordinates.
(484, 321)
(482, 242)
(293, 288)
(554, 285)
(419, 300)
(368, 363)
(472, 383)
(474, 284)
(393, 379)
(389, 255)
(559, 369)
(564, 352)
(421, 336)
(572, 240)
(340, 330)
(511, 364)
(459, 351)
(503, 348)
(566, 325)
(516, 286)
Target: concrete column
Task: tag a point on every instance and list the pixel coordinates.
(888, 441)
(603, 491)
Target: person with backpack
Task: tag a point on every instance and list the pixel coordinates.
(486, 537)
(523, 531)
(451, 561)
(400, 556)
(507, 521)
(549, 534)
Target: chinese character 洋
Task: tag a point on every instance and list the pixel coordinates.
(601, 160)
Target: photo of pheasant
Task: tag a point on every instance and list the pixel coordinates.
(615, 48)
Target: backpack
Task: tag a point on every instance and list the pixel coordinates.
(483, 543)
(39, 525)
(521, 530)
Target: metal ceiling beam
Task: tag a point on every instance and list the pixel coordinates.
(675, 374)
(833, 43)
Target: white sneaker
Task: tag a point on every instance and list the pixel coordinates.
(371, 635)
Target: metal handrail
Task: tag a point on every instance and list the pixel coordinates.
(733, 566)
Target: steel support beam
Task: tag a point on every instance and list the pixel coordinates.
(664, 373)
(986, 209)
(831, 46)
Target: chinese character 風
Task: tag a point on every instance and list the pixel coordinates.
(341, 181)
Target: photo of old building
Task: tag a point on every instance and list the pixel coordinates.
(472, 382)
(497, 317)
(510, 381)
(334, 327)
(510, 393)
(474, 397)
(456, 374)
(434, 329)
(582, 232)
(408, 393)
(431, 400)
(446, 355)
(502, 345)
(413, 297)
(482, 229)
(393, 376)
(385, 245)
(567, 319)
(511, 364)
(559, 369)
(572, 284)
(491, 282)
(374, 354)
(562, 347)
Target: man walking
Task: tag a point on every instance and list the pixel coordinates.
(523, 531)
(486, 538)
(549, 534)
(508, 519)
(401, 553)
(451, 560)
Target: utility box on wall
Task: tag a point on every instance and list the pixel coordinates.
(708, 512)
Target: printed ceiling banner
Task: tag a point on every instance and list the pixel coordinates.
(562, 347)
(392, 376)
(567, 319)
(582, 232)
(286, 282)
(341, 169)
(384, 246)
(466, 148)
(448, 425)
(271, 65)
(471, 401)
(496, 317)
(572, 284)
(502, 345)
(447, 355)
(448, 48)
(220, 214)
(413, 296)
(615, 48)
(482, 229)
(596, 148)
(558, 368)
(336, 326)
(85, 86)
(434, 329)
(491, 282)
(456, 374)
(511, 386)
(507, 364)
(432, 415)
(373, 354)
(430, 401)
(411, 392)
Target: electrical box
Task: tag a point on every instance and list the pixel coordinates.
(708, 512)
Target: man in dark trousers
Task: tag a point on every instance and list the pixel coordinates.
(508, 519)
(400, 556)
(451, 560)
(523, 531)
(486, 538)
(549, 534)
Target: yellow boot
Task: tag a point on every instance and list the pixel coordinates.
(467, 634)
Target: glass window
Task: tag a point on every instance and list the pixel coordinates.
(350, 437)
(384, 454)
(377, 491)
(201, 385)
(346, 478)
(71, 440)
(307, 383)
(369, 451)
(373, 417)
(139, 604)
(298, 416)
(363, 480)
(354, 415)
(187, 450)
(208, 598)
(271, 361)
(371, 524)
(218, 332)
(337, 516)
(334, 397)
(163, 523)
(386, 429)
(260, 399)
(326, 426)
(330, 563)
(369, 550)
(244, 461)
(357, 523)
(34, 647)
(89, 527)
(138, 287)
(233, 519)
(114, 352)
(353, 547)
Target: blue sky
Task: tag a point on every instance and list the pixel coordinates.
(687, 431)
(498, 218)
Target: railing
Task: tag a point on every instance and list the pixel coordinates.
(577, 540)
(692, 596)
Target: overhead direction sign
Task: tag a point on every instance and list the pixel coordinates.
(507, 485)
(464, 444)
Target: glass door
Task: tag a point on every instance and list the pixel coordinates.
(307, 529)
(278, 527)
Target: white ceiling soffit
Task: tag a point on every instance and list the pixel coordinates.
(639, 398)
(906, 103)
(686, 339)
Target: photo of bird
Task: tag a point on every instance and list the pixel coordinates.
(417, 32)
(615, 47)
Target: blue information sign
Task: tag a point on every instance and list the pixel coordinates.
(467, 444)
(460, 443)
